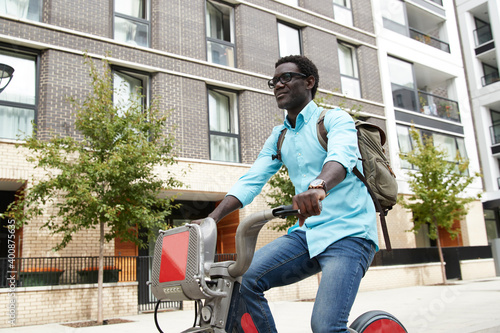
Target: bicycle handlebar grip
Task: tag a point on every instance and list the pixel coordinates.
(284, 211)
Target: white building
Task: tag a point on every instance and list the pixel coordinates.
(424, 85)
(479, 22)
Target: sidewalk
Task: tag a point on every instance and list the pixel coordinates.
(463, 307)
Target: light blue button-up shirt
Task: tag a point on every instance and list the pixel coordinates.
(348, 210)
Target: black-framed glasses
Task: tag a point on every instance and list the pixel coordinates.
(283, 78)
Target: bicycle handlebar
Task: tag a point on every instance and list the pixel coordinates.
(247, 233)
(284, 211)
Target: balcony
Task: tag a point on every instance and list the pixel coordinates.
(490, 78)
(437, 106)
(428, 104)
(429, 40)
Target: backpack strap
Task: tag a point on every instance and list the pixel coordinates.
(281, 138)
(383, 212)
(323, 140)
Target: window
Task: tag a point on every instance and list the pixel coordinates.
(349, 76)
(394, 16)
(404, 92)
(342, 11)
(289, 40)
(495, 128)
(490, 75)
(129, 88)
(483, 33)
(26, 9)
(223, 122)
(220, 34)
(453, 146)
(132, 22)
(18, 100)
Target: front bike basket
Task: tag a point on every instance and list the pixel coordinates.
(176, 270)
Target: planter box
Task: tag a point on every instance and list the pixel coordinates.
(90, 275)
(40, 277)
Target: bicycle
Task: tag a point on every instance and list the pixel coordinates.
(184, 269)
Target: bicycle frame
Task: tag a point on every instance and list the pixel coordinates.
(184, 269)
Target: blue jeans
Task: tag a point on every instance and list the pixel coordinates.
(286, 260)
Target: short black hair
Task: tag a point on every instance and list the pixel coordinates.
(305, 65)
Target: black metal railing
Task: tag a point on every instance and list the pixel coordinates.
(429, 40)
(41, 271)
(490, 78)
(438, 106)
(49, 271)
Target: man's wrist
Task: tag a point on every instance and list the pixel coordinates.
(318, 184)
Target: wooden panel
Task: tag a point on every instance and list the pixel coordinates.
(128, 266)
(445, 238)
(226, 233)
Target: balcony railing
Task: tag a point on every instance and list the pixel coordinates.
(483, 35)
(438, 106)
(495, 134)
(429, 40)
(490, 78)
(428, 104)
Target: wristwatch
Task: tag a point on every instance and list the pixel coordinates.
(318, 183)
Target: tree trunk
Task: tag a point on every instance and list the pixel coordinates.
(100, 275)
(441, 257)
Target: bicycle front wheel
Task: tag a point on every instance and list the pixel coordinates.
(377, 321)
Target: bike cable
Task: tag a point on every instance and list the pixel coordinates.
(156, 316)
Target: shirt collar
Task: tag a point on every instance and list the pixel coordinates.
(304, 116)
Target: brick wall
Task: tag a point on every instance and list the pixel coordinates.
(63, 304)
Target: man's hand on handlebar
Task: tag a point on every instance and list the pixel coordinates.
(308, 203)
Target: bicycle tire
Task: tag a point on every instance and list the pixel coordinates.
(377, 321)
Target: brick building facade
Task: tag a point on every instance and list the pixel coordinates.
(186, 55)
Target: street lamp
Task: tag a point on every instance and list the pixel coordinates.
(6, 72)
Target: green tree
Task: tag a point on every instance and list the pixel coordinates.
(106, 178)
(438, 190)
(282, 189)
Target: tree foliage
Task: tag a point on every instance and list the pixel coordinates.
(437, 187)
(105, 176)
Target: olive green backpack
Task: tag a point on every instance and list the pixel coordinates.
(378, 176)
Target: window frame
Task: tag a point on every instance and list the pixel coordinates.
(299, 33)
(355, 69)
(232, 33)
(147, 21)
(143, 76)
(413, 89)
(429, 133)
(34, 107)
(234, 106)
(346, 7)
(40, 11)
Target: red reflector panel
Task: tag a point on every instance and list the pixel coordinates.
(384, 325)
(174, 254)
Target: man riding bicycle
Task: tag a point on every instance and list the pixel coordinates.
(341, 239)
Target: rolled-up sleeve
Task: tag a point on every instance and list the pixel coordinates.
(342, 139)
